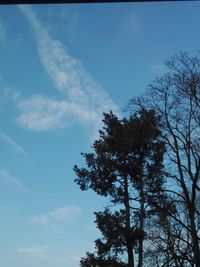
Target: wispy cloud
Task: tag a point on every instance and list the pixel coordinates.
(157, 68)
(130, 27)
(65, 18)
(131, 23)
(42, 253)
(11, 94)
(41, 113)
(12, 144)
(85, 100)
(5, 175)
(35, 250)
(63, 214)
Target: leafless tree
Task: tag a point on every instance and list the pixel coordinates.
(176, 98)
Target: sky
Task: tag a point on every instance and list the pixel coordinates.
(61, 67)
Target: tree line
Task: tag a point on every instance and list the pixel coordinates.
(148, 166)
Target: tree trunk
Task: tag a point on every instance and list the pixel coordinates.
(130, 255)
(195, 241)
(140, 243)
(128, 225)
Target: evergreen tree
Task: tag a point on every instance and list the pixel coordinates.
(126, 166)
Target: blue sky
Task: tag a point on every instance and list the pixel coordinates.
(61, 67)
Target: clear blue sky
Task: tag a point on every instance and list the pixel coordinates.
(61, 66)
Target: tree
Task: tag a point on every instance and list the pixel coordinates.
(109, 249)
(126, 165)
(176, 98)
(170, 244)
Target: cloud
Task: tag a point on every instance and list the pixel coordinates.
(85, 100)
(11, 94)
(40, 252)
(13, 145)
(36, 250)
(42, 113)
(157, 68)
(5, 175)
(131, 23)
(63, 214)
(63, 18)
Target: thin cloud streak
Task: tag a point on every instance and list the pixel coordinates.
(40, 252)
(63, 214)
(85, 100)
(33, 250)
(4, 174)
(13, 145)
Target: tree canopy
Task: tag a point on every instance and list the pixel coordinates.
(126, 166)
(148, 166)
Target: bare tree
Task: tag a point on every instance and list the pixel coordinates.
(176, 98)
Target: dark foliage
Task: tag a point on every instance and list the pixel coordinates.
(126, 165)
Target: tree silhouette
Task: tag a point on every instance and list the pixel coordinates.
(176, 98)
(126, 166)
